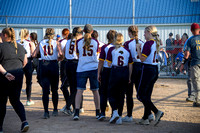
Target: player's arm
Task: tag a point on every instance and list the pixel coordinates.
(32, 47)
(8, 75)
(100, 67)
(60, 54)
(130, 66)
(141, 56)
(184, 60)
(36, 51)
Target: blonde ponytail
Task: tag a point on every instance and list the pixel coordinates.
(157, 43)
(87, 40)
(119, 39)
(23, 34)
(13, 40)
(49, 35)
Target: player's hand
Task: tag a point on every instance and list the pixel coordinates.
(181, 68)
(10, 77)
(99, 78)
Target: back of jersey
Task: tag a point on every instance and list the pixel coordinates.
(48, 52)
(87, 58)
(26, 44)
(70, 50)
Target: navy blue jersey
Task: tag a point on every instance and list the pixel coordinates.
(193, 45)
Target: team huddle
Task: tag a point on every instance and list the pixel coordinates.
(112, 69)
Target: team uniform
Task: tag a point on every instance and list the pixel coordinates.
(131, 45)
(149, 75)
(63, 76)
(105, 75)
(119, 76)
(87, 64)
(71, 66)
(28, 69)
(49, 72)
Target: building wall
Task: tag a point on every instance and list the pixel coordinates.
(163, 30)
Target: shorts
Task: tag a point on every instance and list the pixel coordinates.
(82, 80)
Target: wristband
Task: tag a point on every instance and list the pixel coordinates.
(184, 60)
(5, 73)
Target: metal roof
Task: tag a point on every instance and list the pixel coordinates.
(99, 12)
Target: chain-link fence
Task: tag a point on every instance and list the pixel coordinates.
(169, 62)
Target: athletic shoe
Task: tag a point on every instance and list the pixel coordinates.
(151, 118)
(127, 119)
(144, 122)
(97, 113)
(28, 103)
(195, 104)
(76, 118)
(61, 110)
(158, 116)
(68, 112)
(190, 99)
(119, 121)
(24, 127)
(55, 113)
(115, 117)
(101, 117)
(46, 115)
(81, 111)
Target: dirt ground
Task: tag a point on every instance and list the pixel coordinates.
(168, 95)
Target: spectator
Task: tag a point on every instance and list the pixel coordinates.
(169, 43)
(58, 37)
(193, 49)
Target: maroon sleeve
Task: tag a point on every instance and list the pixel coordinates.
(126, 44)
(109, 55)
(147, 48)
(103, 53)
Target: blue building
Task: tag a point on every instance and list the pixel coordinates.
(169, 16)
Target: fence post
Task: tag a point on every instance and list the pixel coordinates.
(6, 21)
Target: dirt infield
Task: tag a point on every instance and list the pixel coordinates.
(169, 96)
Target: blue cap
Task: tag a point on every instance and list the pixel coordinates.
(58, 35)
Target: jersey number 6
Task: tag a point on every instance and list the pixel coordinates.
(120, 61)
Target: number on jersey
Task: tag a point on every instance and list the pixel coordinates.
(71, 49)
(89, 52)
(120, 61)
(48, 51)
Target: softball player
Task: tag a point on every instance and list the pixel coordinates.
(104, 73)
(87, 49)
(65, 33)
(131, 45)
(50, 51)
(71, 66)
(149, 73)
(29, 47)
(120, 76)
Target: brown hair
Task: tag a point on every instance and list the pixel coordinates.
(134, 31)
(154, 32)
(33, 36)
(65, 32)
(87, 37)
(23, 34)
(50, 33)
(95, 34)
(10, 33)
(111, 36)
(76, 31)
(119, 39)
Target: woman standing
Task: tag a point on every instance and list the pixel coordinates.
(29, 47)
(131, 45)
(120, 76)
(13, 58)
(87, 49)
(50, 51)
(149, 74)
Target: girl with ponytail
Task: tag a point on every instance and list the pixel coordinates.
(131, 45)
(13, 57)
(28, 69)
(149, 74)
(87, 49)
(50, 51)
(120, 76)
